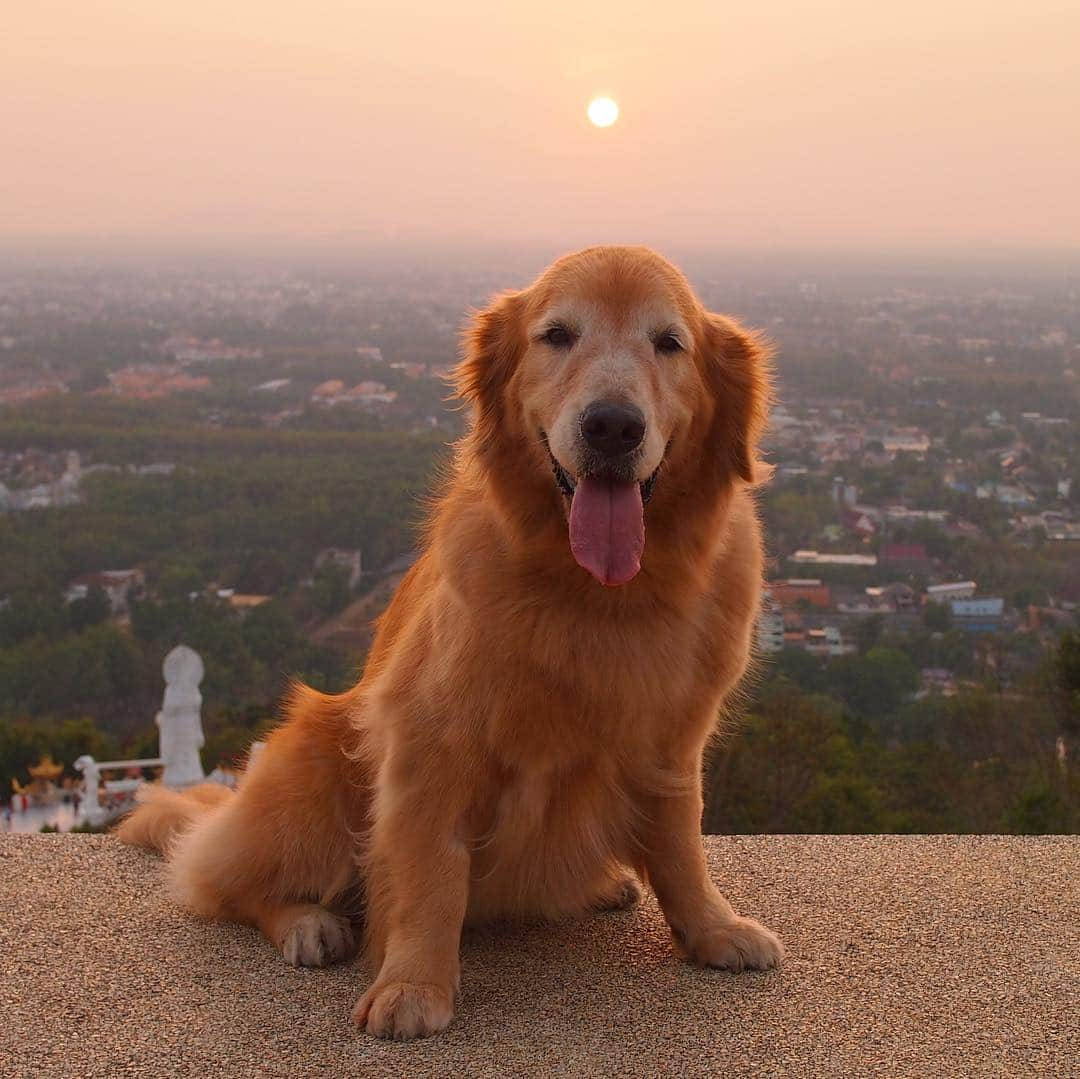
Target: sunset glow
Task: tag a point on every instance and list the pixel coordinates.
(847, 126)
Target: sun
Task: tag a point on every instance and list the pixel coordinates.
(603, 111)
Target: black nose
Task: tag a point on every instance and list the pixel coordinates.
(612, 429)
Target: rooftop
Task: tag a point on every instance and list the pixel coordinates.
(907, 956)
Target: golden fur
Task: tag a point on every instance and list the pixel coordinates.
(524, 742)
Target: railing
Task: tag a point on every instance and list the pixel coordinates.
(93, 811)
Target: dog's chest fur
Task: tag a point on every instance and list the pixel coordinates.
(569, 722)
(550, 841)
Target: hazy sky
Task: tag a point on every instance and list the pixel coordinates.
(765, 123)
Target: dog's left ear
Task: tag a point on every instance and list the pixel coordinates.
(738, 367)
(490, 347)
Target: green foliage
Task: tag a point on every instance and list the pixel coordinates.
(331, 589)
(31, 613)
(930, 535)
(91, 611)
(874, 684)
(23, 743)
(937, 617)
(98, 671)
(1067, 679)
(978, 762)
(868, 632)
(244, 509)
(269, 632)
(791, 769)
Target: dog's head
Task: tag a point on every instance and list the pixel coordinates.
(608, 379)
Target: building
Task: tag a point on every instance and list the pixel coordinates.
(826, 642)
(1007, 494)
(826, 558)
(186, 349)
(978, 615)
(325, 391)
(904, 514)
(243, 602)
(945, 593)
(333, 392)
(770, 626)
(909, 557)
(145, 381)
(788, 593)
(844, 494)
(348, 560)
(936, 681)
(905, 440)
(856, 519)
(117, 584)
(890, 598)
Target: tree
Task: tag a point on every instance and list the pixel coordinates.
(792, 768)
(91, 610)
(20, 746)
(1067, 678)
(868, 632)
(269, 631)
(30, 613)
(873, 685)
(937, 617)
(331, 590)
(799, 668)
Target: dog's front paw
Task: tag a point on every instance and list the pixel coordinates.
(742, 944)
(403, 1010)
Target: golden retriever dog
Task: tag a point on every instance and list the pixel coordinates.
(526, 741)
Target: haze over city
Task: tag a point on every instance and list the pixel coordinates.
(781, 125)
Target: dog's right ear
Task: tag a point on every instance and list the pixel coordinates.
(490, 347)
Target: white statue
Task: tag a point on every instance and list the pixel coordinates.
(178, 720)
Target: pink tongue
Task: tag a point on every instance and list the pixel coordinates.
(607, 529)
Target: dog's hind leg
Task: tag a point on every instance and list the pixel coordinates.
(622, 893)
(280, 855)
(301, 911)
(306, 934)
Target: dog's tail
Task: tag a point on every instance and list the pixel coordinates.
(163, 814)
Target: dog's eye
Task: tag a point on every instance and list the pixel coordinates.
(668, 343)
(558, 336)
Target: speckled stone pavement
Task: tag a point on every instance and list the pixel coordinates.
(907, 956)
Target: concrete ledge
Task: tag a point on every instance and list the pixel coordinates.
(908, 956)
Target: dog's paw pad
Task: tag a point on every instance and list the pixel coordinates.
(317, 938)
(403, 1010)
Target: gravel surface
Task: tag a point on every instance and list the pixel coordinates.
(907, 956)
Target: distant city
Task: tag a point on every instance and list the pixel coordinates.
(154, 416)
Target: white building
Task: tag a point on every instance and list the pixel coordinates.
(906, 441)
(1007, 494)
(946, 593)
(770, 626)
(827, 641)
(815, 558)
